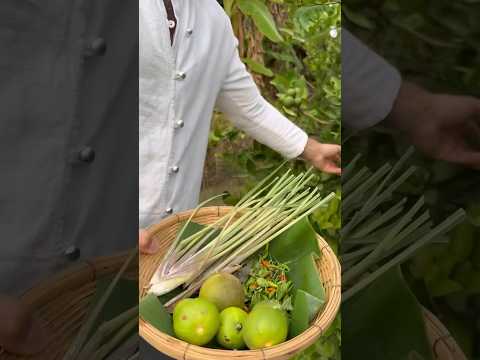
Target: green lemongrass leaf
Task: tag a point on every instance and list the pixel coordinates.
(358, 253)
(414, 225)
(442, 228)
(129, 348)
(87, 326)
(384, 245)
(378, 221)
(374, 202)
(355, 181)
(392, 237)
(361, 190)
(125, 331)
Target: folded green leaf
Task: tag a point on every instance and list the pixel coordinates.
(152, 311)
(306, 307)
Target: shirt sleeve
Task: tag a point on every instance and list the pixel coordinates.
(240, 99)
(370, 84)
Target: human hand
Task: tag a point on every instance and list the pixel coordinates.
(146, 243)
(21, 332)
(444, 127)
(324, 157)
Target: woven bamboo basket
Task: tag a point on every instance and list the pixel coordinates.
(63, 301)
(165, 232)
(443, 344)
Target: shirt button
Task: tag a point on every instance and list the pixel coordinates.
(189, 32)
(87, 154)
(179, 124)
(171, 24)
(180, 76)
(169, 211)
(72, 253)
(175, 169)
(97, 47)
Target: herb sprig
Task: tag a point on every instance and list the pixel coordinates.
(268, 281)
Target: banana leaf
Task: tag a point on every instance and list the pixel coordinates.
(123, 298)
(298, 248)
(375, 326)
(153, 311)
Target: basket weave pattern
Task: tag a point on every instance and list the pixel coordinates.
(63, 301)
(164, 233)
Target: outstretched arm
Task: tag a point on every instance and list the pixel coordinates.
(242, 102)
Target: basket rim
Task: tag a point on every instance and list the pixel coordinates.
(323, 320)
(440, 338)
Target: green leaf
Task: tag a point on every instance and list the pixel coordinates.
(228, 6)
(262, 18)
(258, 67)
(152, 311)
(305, 308)
(295, 243)
(304, 276)
(358, 19)
(374, 322)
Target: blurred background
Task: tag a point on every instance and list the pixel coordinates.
(435, 44)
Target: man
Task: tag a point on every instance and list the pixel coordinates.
(442, 126)
(189, 64)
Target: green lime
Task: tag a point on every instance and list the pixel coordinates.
(195, 321)
(230, 333)
(298, 101)
(266, 325)
(292, 92)
(288, 101)
(224, 290)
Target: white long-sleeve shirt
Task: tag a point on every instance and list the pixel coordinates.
(180, 86)
(370, 84)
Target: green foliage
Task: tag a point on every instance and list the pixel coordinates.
(262, 17)
(301, 77)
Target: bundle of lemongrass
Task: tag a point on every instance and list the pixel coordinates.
(116, 339)
(378, 232)
(273, 206)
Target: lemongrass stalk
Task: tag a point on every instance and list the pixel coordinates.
(228, 232)
(105, 330)
(179, 235)
(245, 253)
(369, 260)
(87, 326)
(116, 339)
(444, 227)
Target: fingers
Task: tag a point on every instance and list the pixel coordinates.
(146, 243)
(469, 158)
(332, 168)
